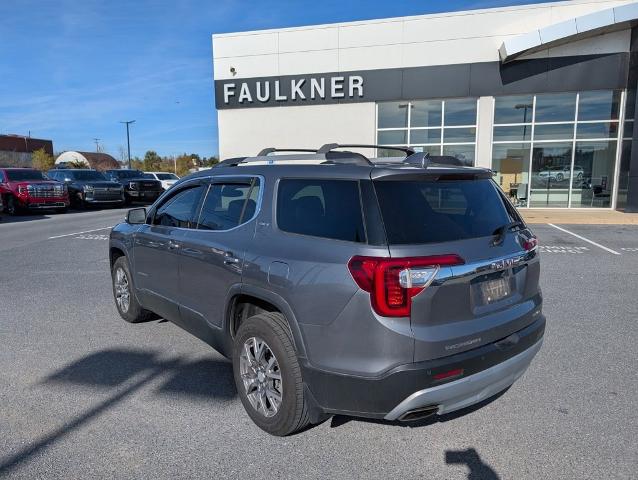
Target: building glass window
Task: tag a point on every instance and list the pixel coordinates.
(393, 115)
(625, 149)
(623, 174)
(440, 127)
(510, 163)
(557, 149)
(551, 164)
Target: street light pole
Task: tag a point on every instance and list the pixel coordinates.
(128, 141)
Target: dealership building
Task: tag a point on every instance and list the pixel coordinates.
(543, 94)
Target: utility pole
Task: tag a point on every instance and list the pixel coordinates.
(128, 141)
(97, 145)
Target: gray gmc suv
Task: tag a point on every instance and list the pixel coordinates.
(392, 288)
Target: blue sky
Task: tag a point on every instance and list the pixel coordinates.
(70, 70)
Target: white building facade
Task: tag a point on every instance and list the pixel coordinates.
(542, 94)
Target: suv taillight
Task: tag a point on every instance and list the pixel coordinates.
(392, 282)
(530, 243)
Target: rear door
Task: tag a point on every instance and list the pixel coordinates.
(493, 293)
(213, 253)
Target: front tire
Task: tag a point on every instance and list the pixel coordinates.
(124, 294)
(12, 205)
(268, 376)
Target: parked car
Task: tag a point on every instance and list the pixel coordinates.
(29, 189)
(89, 187)
(168, 179)
(137, 187)
(388, 289)
(560, 173)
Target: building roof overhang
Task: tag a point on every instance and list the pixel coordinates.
(577, 28)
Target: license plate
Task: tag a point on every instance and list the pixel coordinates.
(495, 290)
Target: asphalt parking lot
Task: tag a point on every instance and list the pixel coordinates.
(85, 395)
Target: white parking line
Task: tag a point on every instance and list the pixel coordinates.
(562, 249)
(584, 239)
(93, 236)
(80, 233)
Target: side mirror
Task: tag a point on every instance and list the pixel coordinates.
(136, 216)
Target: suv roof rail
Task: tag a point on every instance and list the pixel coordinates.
(268, 150)
(332, 146)
(424, 160)
(328, 158)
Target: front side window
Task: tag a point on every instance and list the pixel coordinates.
(229, 204)
(321, 208)
(179, 210)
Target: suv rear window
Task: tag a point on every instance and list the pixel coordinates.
(429, 211)
(321, 208)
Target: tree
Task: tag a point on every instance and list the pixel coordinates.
(42, 160)
(184, 164)
(210, 161)
(152, 161)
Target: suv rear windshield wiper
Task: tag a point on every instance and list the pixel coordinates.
(499, 233)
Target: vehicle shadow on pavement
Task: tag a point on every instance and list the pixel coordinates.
(126, 372)
(4, 218)
(478, 469)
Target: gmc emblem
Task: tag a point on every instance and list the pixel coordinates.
(505, 263)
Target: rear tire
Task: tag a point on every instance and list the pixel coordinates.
(278, 385)
(124, 294)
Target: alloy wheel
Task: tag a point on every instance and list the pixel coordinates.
(122, 290)
(261, 376)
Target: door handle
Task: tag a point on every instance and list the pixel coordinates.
(172, 245)
(230, 259)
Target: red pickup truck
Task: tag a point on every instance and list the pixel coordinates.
(29, 189)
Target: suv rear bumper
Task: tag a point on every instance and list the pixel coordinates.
(487, 370)
(468, 391)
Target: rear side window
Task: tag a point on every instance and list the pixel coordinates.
(321, 208)
(228, 205)
(440, 211)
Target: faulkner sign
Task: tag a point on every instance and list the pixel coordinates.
(292, 90)
(584, 72)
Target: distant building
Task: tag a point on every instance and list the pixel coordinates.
(17, 150)
(543, 94)
(98, 161)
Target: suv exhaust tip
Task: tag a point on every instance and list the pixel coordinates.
(419, 413)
